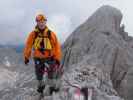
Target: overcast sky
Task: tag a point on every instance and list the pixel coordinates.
(17, 16)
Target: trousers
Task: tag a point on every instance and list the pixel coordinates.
(45, 71)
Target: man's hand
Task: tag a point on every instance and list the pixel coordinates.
(57, 62)
(26, 61)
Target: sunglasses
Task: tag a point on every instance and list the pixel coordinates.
(41, 20)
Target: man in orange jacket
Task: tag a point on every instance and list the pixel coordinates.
(46, 52)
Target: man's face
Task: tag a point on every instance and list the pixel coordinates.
(41, 24)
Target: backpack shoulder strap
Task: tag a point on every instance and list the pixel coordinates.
(36, 34)
(49, 34)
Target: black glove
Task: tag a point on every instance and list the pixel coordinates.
(57, 62)
(26, 61)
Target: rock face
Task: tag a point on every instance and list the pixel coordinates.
(91, 77)
(17, 80)
(103, 43)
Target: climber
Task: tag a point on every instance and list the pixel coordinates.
(46, 54)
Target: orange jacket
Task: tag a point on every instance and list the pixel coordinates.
(55, 52)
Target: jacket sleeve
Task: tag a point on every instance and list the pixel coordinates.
(28, 46)
(57, 48)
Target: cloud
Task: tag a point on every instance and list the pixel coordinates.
(60, 24)
(17, 16)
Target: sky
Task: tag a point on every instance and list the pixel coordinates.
(17, 17)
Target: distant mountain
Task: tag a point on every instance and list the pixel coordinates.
(10, 55)
(18, 48)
